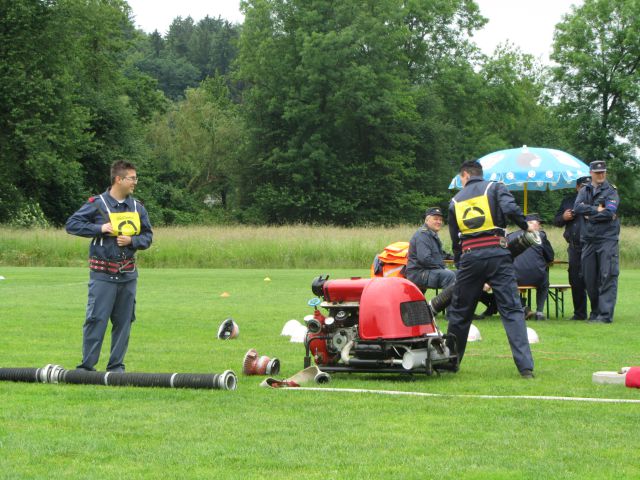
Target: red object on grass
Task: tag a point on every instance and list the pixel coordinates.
(632, 379)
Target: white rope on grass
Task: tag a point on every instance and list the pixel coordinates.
(449, 395)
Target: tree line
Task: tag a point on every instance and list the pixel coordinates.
(344, 113)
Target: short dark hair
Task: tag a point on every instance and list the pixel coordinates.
(119, 169)
(472, 167)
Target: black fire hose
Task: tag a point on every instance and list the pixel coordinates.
(56, 374)
(442, 300)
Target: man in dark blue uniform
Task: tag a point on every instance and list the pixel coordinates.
(477, 221)
(118, 226)
(532, 265)
(597, 206)
(565, 217)
(425, 262)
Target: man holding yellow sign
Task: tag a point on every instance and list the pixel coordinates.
(118, 225)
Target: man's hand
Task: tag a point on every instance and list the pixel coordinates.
(106, 228)
(123, 240)
(600, 208)
(568, 215)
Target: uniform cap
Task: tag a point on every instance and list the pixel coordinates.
(433, 211)
(598, 166)
(582, 180)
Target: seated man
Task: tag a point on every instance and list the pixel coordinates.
(532, 266)
(425, 264)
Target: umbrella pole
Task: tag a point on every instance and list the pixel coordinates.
(525, 198)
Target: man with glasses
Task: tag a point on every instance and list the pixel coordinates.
(597, 206)
(118, 225)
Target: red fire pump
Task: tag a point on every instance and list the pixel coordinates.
(376, 325)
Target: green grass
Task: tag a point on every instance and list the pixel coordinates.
(73, 431)
(250, 247)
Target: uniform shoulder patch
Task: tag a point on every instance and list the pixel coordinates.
(92, 199)
(613, 186)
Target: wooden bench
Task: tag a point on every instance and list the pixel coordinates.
(556, 293)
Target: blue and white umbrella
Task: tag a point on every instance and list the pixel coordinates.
(531, 168)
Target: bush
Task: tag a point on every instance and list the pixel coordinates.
(29, 215)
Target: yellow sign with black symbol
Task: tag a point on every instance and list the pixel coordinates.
(474, 215)
(125, 223)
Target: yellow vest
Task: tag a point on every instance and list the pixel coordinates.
(124, 223)
(474, 214)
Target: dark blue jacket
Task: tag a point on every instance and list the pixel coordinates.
(88, 220)
(572, 228)
(502, 205)
(598, 226)
(425, 253)
(531, 265)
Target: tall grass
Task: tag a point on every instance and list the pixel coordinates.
(298, 246)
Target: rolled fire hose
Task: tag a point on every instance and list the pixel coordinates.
(56, 374)
(519, 244)
(516, 247)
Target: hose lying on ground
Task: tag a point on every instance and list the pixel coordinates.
(56, 374)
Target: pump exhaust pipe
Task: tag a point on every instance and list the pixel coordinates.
(414, 358)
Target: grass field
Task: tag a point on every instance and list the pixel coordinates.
(69, 431)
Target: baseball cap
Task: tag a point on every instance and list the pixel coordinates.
(598, 166)
(433, 211)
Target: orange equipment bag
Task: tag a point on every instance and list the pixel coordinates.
(391, 262)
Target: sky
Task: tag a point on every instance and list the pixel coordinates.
(528, 24)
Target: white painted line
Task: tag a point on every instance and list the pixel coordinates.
(447, 395)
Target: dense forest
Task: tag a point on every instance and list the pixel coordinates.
(321, 112)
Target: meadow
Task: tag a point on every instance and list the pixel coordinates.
(81, 431)
(297, 246)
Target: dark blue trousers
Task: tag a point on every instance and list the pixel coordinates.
(600, 270)
(108, 300)
(475, 269)
(578, 290)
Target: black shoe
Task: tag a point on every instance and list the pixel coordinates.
(599, 320)
(85, 369)
(527, 374)
(575, 317)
